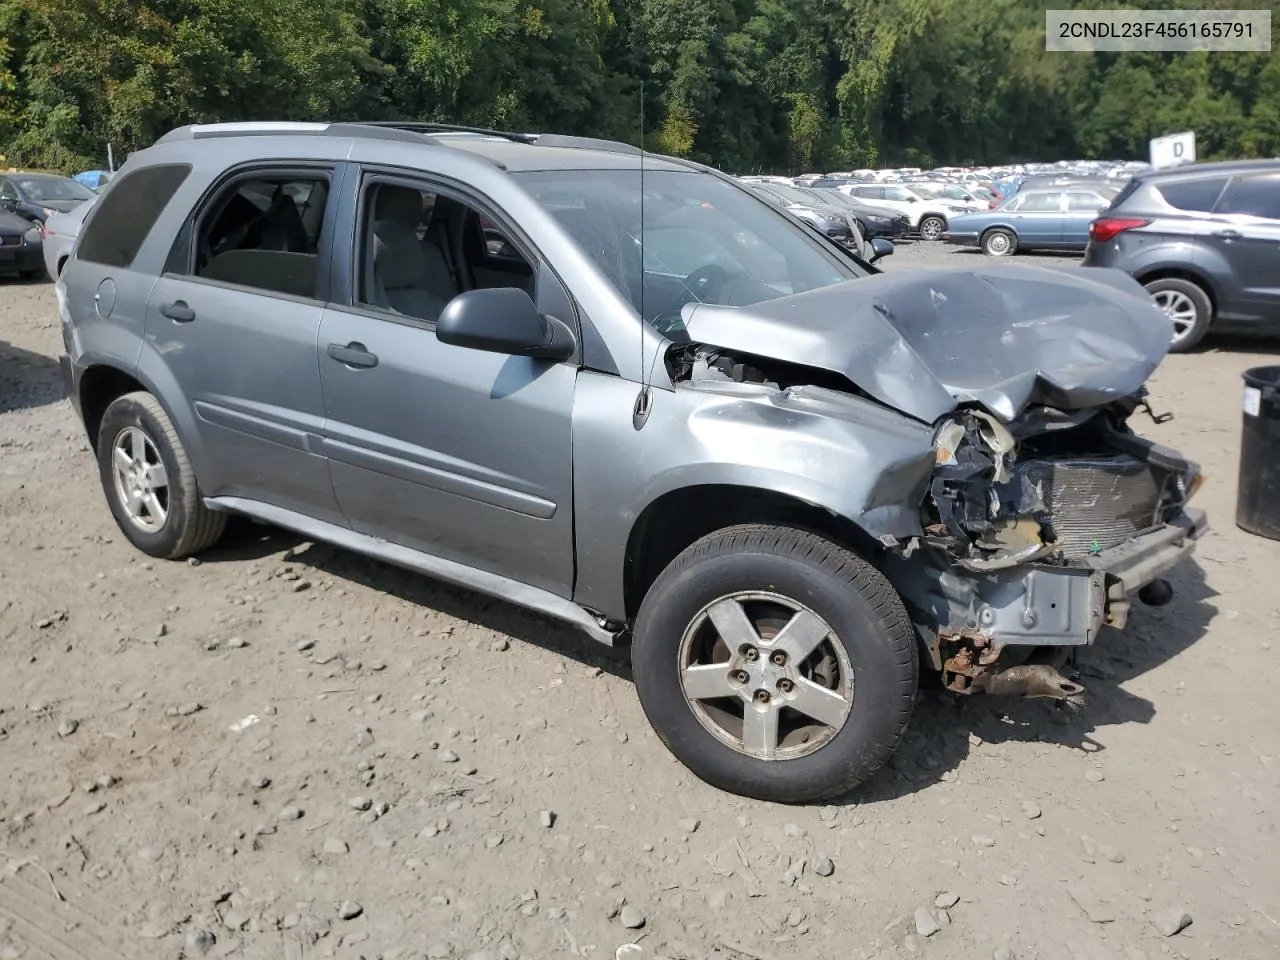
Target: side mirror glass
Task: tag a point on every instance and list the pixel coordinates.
(880, 247)
(503, 320)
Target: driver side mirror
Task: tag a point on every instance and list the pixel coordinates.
(880, 247)
(503, 320)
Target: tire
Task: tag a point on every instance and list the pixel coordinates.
(867, 659)
(177, 523)
(932, 227)
(1188, 307)
(999, 243)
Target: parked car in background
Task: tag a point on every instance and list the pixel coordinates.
(95, 180)
(60, 232)
(1204, 239)
(928, 217)
(873, 221)
(38, 196)
(951, 192)
(21, 251)
(1032, 220)
(825, 218)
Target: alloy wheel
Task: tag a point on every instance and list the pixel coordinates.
(141, 482)
(1180, 310)
(765, 675)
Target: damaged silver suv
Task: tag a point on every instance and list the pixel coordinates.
(627, 393)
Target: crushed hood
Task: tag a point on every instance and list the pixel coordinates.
(926, 341)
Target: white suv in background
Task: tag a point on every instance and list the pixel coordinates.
(928, 216)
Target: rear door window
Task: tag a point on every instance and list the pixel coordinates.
(263, 232)
(1193, 195)
(1041, 203)
(1256, 196)
(1085, 202)
(126, 213)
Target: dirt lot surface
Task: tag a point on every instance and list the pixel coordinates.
(287, 751)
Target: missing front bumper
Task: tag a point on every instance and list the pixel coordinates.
(1041, 605)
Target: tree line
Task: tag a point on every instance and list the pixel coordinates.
(747, 85)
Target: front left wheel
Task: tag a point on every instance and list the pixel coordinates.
(149, 482)
(775, 664)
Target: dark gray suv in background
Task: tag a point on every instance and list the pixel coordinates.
(1204, 240)
(653, 406)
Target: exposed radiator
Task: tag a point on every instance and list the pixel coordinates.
(1093, 504)
(11, 240)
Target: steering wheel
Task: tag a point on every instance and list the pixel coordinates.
(707, 281)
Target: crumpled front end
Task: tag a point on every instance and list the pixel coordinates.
(1036, 535)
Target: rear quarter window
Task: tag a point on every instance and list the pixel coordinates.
(1193, 195)
(126, 213)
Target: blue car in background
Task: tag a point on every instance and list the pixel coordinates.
(95, 180)
(1054, 219)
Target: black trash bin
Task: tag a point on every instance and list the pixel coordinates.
(1258, 496)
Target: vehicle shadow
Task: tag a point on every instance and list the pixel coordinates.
(938, 742)
(1063, 255)
(27, 379)
(946, 729)
(1239, 343)
(246, 540)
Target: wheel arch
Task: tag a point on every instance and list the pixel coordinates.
(104, 382)
(998, 225)
(1180, 272)
(676, 519)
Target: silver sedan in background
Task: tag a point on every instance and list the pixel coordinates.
(60, 232)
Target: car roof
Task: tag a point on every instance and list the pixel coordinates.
(514, 152)
(1190, 170)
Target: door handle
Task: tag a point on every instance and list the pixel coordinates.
(353, 355)
(1228, 234)
(178, 312)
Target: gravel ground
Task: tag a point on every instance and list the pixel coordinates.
(287, 751)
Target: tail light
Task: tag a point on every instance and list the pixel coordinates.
(1104, 228)
(991, 205)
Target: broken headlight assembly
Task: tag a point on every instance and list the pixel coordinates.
(1050, 489)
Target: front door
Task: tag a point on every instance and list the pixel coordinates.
(235, 317)
(459, 453)
(1247, 236)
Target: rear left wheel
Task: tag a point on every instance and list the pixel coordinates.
(775, 664)
(999, 243)
(149, 482)
(1188, 307)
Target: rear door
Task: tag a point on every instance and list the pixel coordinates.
(1246, 234)
(235, 316)
(1038, 219)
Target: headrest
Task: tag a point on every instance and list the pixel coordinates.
(401, 204)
